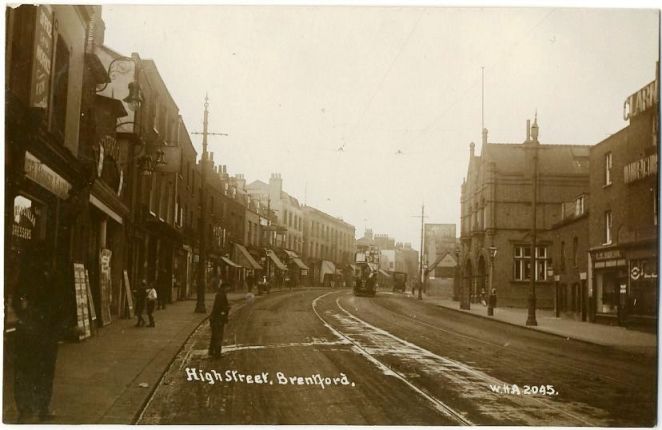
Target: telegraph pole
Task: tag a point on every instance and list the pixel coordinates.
(204, 165)
(420, 286)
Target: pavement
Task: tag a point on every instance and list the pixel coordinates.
(599, 334)
(109, 377)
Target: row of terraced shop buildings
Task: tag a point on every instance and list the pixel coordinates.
(101, 170)
(596, 221)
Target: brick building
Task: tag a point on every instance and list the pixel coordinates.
(48, 174)
(570, 258)
(623, 216)
(328, 245)
(496, 202)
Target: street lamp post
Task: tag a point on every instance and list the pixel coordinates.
(531, 315)
(490, 299)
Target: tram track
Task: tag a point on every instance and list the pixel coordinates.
(499, 347)
(435, 402)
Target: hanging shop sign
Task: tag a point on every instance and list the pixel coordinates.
(46, 177)
(43, 51)
(640, 101)
(640, 169)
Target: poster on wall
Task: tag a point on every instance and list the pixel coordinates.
(82, 311)
(104, 285)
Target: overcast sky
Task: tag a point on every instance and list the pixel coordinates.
(399, 88)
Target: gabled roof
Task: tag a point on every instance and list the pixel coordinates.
(257, 184)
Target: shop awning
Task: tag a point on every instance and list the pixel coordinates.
(229, 262)
(291, 254)
(385, 273)
(300, 263)
(276, 260)
(328, 265)
(247, 255)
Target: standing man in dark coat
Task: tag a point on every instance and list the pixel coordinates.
(217, 319)
(37, 333)
(141, 297)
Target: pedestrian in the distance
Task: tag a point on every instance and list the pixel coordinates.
(141, 297)
(152, 297)
(37, 334)
(217, 320)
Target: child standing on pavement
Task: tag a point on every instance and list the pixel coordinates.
(151, 303)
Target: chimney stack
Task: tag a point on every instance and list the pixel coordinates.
(528, 130)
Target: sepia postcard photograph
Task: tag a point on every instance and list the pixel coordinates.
(331, 214)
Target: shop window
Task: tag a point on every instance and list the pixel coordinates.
(608, 165)
(60, 88)
(28, 226)
(610, 292)
(607, 228)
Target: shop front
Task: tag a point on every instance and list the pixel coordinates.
(40, 214)
(105, 256)
(298, 269)
(277, 271)
(610, 280)
(252, 269)
(643, 287)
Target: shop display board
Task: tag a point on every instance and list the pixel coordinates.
(82, 303)
(129, 296)
(90, 299)
(105, 285)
